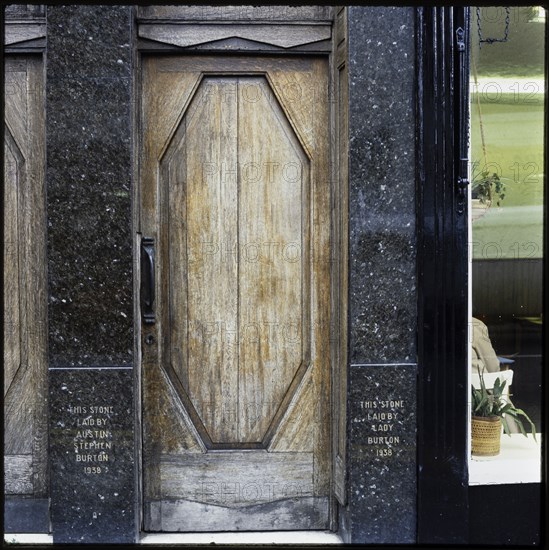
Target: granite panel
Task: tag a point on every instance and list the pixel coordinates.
(89, 166)
(89, 118)
(89, 41)
(381, 422)
(90, 281)
(381, 455)
(92, 450)
(382, 185)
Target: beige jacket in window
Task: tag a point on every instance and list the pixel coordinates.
(483, 353)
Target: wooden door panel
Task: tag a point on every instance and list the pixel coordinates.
(13, 171)
(205, 205)
(215, 478)
(283, 515)
(273, 225)
(235, 192)
(245, 238)
(25, 374)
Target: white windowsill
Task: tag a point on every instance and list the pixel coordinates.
(27, 538)
(518, 462)
(265, 537)
(271, 537)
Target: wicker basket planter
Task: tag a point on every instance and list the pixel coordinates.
(486, 435)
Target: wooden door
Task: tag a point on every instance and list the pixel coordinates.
(25, 365)
(235, 194)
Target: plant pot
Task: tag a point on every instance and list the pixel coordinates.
(485, 435)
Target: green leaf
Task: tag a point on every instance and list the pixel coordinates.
(505, 426)
(521, 426)
(504, 409)
(532, 425)
(499, 386)
(481, 403)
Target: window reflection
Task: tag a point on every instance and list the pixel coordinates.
(507, 174)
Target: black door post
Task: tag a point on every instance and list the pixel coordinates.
(443, 53)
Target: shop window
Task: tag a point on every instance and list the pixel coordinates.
(506, 207)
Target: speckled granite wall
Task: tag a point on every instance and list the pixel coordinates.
(90, 311)
(382, 185)
(382, 375)
(88, 163)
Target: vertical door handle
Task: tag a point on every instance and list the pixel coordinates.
(147, 280)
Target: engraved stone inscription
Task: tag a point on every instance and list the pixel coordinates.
(92, 455)
(382, 458)
(383, 424)
(93, 436)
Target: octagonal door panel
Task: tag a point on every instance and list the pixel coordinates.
(235, 195)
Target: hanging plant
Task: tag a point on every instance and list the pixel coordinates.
(487, 187)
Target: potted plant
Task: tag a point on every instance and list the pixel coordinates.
(489, 407)
(485, 189)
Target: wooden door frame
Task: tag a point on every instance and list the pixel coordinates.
(334, 50)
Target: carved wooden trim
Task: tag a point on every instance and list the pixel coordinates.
(235, 28)
(15, 33)
(248, 36)
(24, 28)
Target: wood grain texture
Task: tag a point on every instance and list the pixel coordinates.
(283, 36)
(24, 12)
(286, 514)
(18, 473)
(25, 376)
(21, 32)
(235, 190)
(297, 429)
(232, 14)
(228, 335)
(341, 258)
(217, 478)
(211, 301)
(14, 165)
(273, 227)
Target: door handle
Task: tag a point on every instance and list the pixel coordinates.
(147, 280)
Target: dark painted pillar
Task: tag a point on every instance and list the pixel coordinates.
(90, 311)
(443, 389)
(381, 449)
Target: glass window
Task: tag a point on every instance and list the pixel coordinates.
(506, 208)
